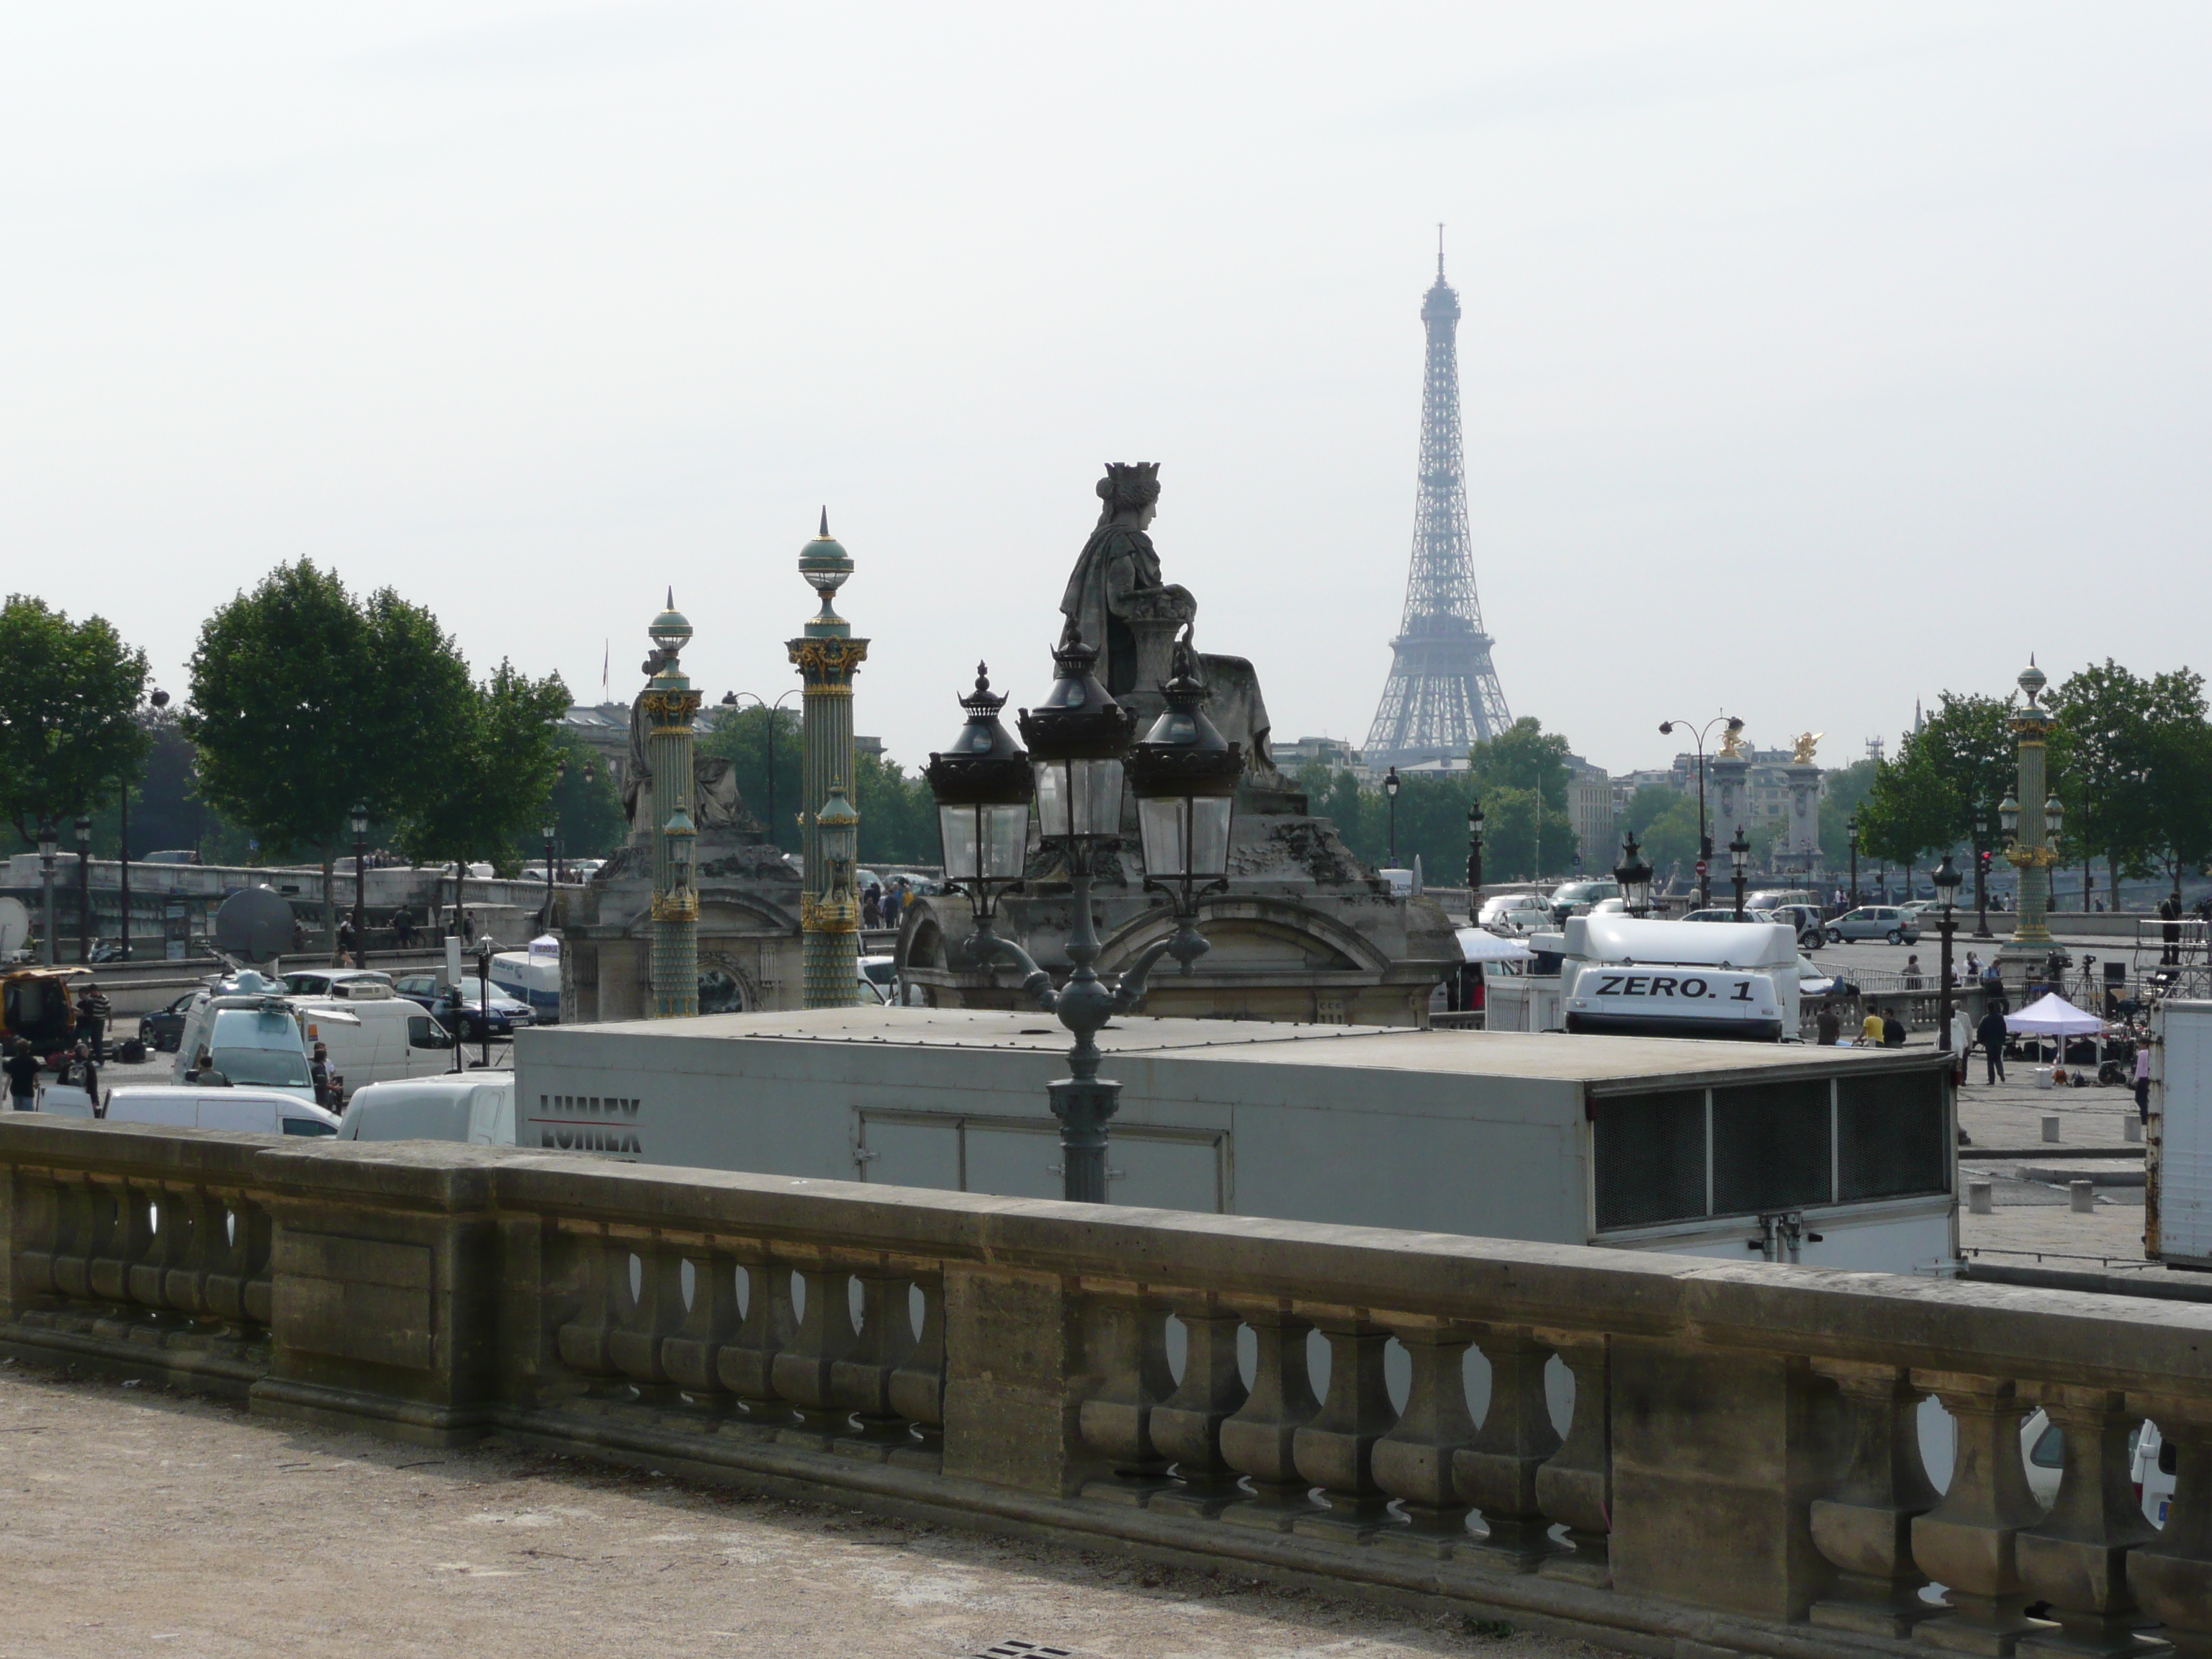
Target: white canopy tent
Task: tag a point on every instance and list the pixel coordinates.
(2053, 1016)
(1479, 944)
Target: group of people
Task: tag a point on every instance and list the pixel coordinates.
(883, 906)
(79, 1068)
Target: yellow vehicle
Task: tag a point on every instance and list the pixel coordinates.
(36, 1003)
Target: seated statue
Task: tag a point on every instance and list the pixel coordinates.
(1116, 598)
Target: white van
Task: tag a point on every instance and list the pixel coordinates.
(258, 1111)
(476, 1108)
(258, 1047)
(376, 1041)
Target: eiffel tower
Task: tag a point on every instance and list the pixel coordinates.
(1442, 697)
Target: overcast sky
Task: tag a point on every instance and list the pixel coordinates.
(1814, 358)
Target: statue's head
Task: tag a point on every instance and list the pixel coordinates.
(1131, 490)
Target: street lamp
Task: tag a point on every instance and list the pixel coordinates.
(546, 831)
(360, 887)
(1705, 840)
(1982, 871)
(1633, 874)
(1390, 787)
(47, 848)
(1852, 825)
(1183, 773)
(1474, 860)
(1946, 879)
(1739, 851)
(1079, 740)
(982, 785)
(83, 888)
(774, 713)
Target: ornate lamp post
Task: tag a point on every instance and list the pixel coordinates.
(671, 700)
(1852, 825)
(1079, 752)
(2031, 821)
(1739, 851)
(1947, 880)
(826, 656)
(1981, 872)
(982, 784)
(47, 848)
(1390, 787)
(552, 867)
(729, 701)
(1705, 839)
(83, 888)
(1634, 875)
(360, 886)
(1474, 860)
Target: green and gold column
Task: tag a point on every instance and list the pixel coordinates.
(670, 702)
(826, 656)
(2037, 818)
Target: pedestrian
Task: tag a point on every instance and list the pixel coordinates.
(2169, 916)
(85, 1071)
(1894, 1031)
(1871, 1029)
(2142, 1081)
(1827, 1027)
(1973, 967)
(403, 928)
(891, 907)
(1962, 1044)
(204, 1074)
(299, 936)
(1991, 1034)
(23, 1069)
(871, 906)
(468, 928)
(349, 943)
(320, 1074)
(1912, 971)
(94, 1010)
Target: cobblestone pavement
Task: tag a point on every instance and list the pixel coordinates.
(141, 1523)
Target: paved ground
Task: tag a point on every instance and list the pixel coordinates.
(133, 1521)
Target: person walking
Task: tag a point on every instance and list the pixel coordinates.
(1962, 1044)
(1826, 1028)
(84, 1071)
(2169, 916)
(403, 928)
(1991, 1034)
(348, 945)
(1912, 971)
(23, 1069)
(2143, 1082)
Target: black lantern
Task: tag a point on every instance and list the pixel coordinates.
(1634, 875)
(1183, 774)
(2008, 814)
(1739, 851)
(982, 784)
(1474, 857)
(1390, 787)
(1078, 741)
(1946, 879)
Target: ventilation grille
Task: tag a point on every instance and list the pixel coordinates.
(1771, 1147)
(1650, 1154)
(1889, 1136)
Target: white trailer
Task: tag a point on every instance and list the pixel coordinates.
(1833, 1158)
(2178, 1153)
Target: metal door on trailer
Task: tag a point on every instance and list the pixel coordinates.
(1149, 1165)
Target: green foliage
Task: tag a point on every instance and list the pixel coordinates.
(2115, 733)
(898, 815)
(1912, 813)
(1524, 756)
(495, 774)
(1666, 824)
(587, 817)
(1847, 788)
(69, 698)
(745, 737)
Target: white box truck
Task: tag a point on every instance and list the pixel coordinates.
(2177, 1149)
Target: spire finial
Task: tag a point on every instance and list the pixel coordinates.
(825, 524)
(1440, 250)
(672, 596)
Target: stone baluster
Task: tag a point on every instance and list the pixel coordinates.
(1128, 1347)
(171, 1211)
(54, 1207)
(1968, 1542)
(1336, 1451)
(1574, 1488)
(126, 1241)
(917, 1387)
(862, 1380)
(646, 1316)
(196, 1246)
(746, 1363)
(1186, 1425)
(1497, 1472)
(1259, 1439)
(1865, 1527)
(89, 1214)
(805, 1369)
(1414, 1461)
(601, 1270)
(2076, 1559)
(237, 1282)
(691, 1353)
(2171, 1576)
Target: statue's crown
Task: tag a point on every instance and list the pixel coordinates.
(1130, 483)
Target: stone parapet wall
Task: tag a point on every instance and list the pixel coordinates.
(1740, 1470)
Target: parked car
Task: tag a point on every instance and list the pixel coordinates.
(504, 1016)
(1517, 913)
(2152, 1464)
(257, 1110)
(1812, 932)
(1882, 921)
(346, 984)
(878, 979)
(1728, 913)
(171, 855)
(163, 1029)
(1576, 898)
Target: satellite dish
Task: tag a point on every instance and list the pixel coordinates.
(14, 926)
(254, 923)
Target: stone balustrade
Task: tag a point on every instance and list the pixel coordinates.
(1740, 1469)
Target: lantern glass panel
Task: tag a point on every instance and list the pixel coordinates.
(957, 826)
(1079, 798)
(1006, 841)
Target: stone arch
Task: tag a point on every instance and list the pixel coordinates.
(1256, 934)
(719, 970)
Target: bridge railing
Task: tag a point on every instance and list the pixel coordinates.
(1739, 1469)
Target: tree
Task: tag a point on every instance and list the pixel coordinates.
(898, 813)
(1911, 812)
(745, 737)
(69, 738)
(1969, 746)
(496, 776)
(2113, 727)
(1523, 757)
(1666, 825)
(586, 816)
(1844, 792)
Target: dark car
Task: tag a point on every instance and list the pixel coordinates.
(163, 1029)
(505, 1014)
